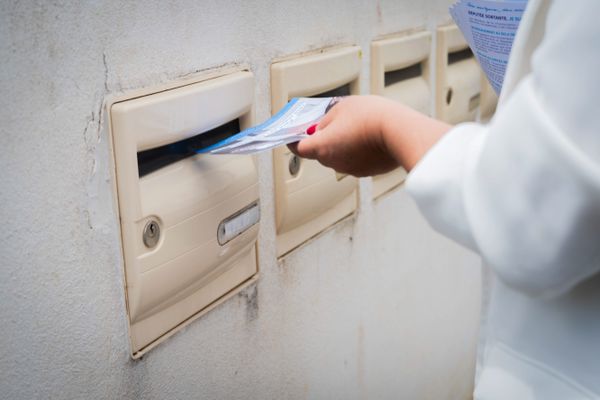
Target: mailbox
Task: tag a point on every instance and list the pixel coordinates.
(309, 197)
(458, 92)
(189, 222)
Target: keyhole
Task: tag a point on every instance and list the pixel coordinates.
(151, 234)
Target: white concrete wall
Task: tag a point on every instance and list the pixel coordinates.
(377, 307)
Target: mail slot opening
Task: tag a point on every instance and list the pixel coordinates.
(159, 157)
(403, 74)
(343, 90)
(460, 55)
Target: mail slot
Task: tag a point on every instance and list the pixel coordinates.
(309, 197)
(189, 222)
(400, 71)
(458, 76)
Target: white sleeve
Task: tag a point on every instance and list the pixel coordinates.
(524, 191)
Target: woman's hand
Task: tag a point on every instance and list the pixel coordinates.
(370, 135)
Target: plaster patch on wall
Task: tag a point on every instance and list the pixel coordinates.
(101, 205)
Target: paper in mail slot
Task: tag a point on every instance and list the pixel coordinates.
(287, 126)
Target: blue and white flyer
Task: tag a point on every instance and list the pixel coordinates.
(489, 27)
(287, 126)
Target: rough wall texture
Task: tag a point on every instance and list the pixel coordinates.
(377, 307)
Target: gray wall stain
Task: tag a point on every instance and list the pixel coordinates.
(250, 297)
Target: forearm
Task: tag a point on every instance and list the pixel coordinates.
(408, 134)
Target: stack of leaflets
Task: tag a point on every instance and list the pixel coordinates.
(287, 126)
(489, 26)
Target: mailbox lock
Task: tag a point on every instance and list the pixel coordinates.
(151, 233)
(294, 165)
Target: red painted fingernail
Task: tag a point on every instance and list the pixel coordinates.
(311, 129)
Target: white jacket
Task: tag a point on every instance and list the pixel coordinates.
(524, 191)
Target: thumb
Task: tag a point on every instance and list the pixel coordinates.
(306, 148)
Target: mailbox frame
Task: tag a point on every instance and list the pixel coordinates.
(458, 85)
(151, 326)
(309, 211)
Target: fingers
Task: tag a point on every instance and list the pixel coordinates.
(330, 115)
(307, 148)
(312, 147)
(326, 120)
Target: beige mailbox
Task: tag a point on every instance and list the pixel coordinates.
(458, 77)
(309, 197)
(189, 222)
